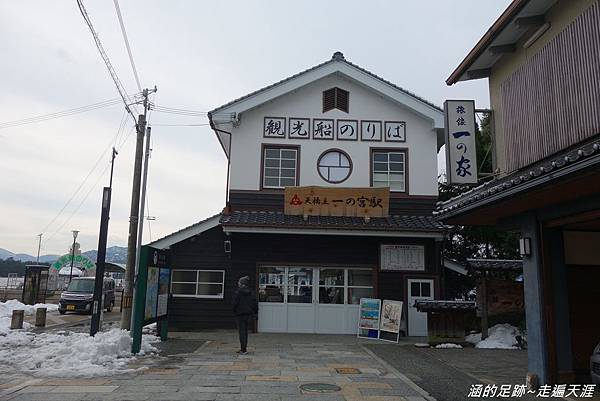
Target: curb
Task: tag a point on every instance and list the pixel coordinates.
(395, 371)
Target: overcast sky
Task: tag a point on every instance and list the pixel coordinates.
(200, 55)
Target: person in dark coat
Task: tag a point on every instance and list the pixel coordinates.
(245, 306)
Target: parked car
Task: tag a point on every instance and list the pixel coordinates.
(78, 297)
(595, 365)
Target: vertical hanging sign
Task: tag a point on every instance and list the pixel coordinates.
(461, 152)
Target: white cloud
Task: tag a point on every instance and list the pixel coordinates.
(200, 55)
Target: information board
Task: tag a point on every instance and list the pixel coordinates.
(391, 316)
(368, 318)
(151, 294)
(402, 257)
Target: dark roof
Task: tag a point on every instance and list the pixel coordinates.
(439, 305)
(185, 228)
(337, 56)
(502, 22)
(495, 264)
(280, 220)
(522, 179)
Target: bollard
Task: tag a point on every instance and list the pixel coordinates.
(40, 317)
(17, 319)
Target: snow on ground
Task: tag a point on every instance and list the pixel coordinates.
(68, 354)
(500, 336)
(64, 353)
(6, 310)
(448, 345)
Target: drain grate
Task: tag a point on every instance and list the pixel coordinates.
(320, 388)
(347, 371)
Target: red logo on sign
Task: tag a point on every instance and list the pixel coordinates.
(295, 201)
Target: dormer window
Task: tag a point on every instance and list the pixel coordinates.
(335, 98)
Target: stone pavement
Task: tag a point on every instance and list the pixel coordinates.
(275, 368)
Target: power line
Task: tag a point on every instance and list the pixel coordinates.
(82, 182)
(180, 125)
(113, 74)
(59, 114)
(135, 74)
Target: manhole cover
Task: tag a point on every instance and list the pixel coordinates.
(320, 388)
(347, 371)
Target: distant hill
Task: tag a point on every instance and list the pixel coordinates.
(23, 257)
(115, 254)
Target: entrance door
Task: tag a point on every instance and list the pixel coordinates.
(311, 299)
(300, 300)
(417, 321)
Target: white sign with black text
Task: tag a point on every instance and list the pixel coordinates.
(402, 257)
(461, 151)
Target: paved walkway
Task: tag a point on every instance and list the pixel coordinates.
(275, 368)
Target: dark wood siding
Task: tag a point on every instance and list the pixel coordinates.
(249, 250)
(273, 201)
(203, 252)
(553, 101)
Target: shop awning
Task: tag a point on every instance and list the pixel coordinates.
(561, 178)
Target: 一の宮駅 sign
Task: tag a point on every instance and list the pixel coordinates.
(327, 201)
(461, 152)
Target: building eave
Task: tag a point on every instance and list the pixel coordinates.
(438, 235)
(337, 64)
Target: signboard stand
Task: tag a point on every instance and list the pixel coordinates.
(369, 318)
(152, 286)
(391, 316)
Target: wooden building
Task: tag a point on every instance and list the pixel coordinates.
(331, 187)
(542, 59)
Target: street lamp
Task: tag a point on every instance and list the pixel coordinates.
(75, 232)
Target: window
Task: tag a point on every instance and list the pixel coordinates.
(331, 286)
(198, 283)
(388, 169)
(280, 167)
(326, 285)
(299, 288)
(334, 166)
(271, 284)
(335, 98)
(360, 285)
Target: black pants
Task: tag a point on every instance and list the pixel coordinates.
(243, 321)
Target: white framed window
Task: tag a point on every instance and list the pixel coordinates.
(280, 167)
(388, 169)
(198, 283)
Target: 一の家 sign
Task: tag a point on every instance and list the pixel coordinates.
(461, 152)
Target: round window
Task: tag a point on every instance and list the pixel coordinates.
(334, 166)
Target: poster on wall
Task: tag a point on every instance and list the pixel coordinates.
(369, 313)
(391, 315)
(402, 257)
(163, 292)
(151, 293)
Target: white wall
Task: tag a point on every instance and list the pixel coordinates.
(306, 102)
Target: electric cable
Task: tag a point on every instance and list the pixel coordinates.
(135, 74)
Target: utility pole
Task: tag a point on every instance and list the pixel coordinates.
(134, 216)
(39, 247)
(141, 223)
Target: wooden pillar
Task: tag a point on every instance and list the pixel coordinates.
(484, 306)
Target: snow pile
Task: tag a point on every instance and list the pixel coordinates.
(6, 310)
(448, 345)
(500, 336)
(68, 354)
